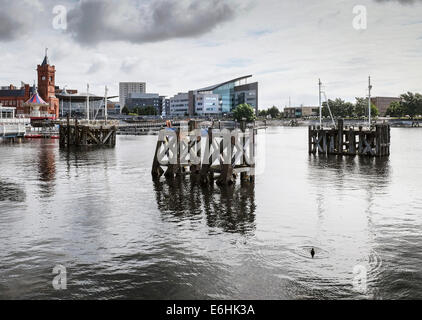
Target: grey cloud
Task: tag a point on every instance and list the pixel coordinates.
(9, 29)
(96, 66)
(128, 65)
(15, 20)
(400, 1)
(91, 22)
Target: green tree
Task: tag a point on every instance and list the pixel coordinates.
(274, 112)
(412, 104)
(244, 111)
(374, 111)
(147, 111)
(339, 108)
(361, 107)
(396, 109)
(263, 113)
(125, 110)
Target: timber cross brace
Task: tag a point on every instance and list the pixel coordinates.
(206, 153)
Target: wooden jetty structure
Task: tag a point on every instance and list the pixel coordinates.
(88, 133)
(144, 128)
(227, 153)
(350, 141)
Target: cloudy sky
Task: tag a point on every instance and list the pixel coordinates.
(177, 45)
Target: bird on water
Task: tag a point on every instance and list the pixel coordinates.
(313, 253)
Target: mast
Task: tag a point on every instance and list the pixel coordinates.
(87, 102)
(320, 103)
(369, 101)
(105, 104)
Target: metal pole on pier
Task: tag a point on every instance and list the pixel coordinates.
(62, 104)
(320, 103)
(105, 104)
(369, 101)
(87, 102)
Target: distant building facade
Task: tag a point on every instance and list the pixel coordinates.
(207, 104)
(12, 96)
(179, 105)
(165, 106)
(301, 112)
(126, 88)
(247, 93)
(383, 103)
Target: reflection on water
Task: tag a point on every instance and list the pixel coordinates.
(122, 235)
(47, 168)
(231, 209)
(11, 192)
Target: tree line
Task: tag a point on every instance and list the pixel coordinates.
(339, 108)
(140, 111)
(343, 109)
(410, 105)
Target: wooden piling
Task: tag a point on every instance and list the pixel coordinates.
(343, 140)
(87, 133)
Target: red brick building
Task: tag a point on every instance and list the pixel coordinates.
(12, 96)
(46, 85)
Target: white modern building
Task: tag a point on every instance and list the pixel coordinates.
(125, 88)
(207, 104)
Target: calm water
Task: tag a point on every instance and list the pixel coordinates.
(120, 235)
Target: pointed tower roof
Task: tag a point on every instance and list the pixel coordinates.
(36, 100)
(45, 61)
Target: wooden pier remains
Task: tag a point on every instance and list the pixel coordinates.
(350, 141)
(88, 133)
(227, 154)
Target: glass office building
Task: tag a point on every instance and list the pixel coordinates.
(231, 94)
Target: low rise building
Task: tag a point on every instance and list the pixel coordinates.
(301, 112)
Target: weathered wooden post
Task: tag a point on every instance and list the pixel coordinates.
(340, 139)
(243, 175)
(352, 141)
(378, 140)
(172, 168)
(68, 131)
(206, 174)
(196, 142)
(157, 171)
(310, 139)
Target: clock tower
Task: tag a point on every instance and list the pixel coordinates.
(46, 85)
